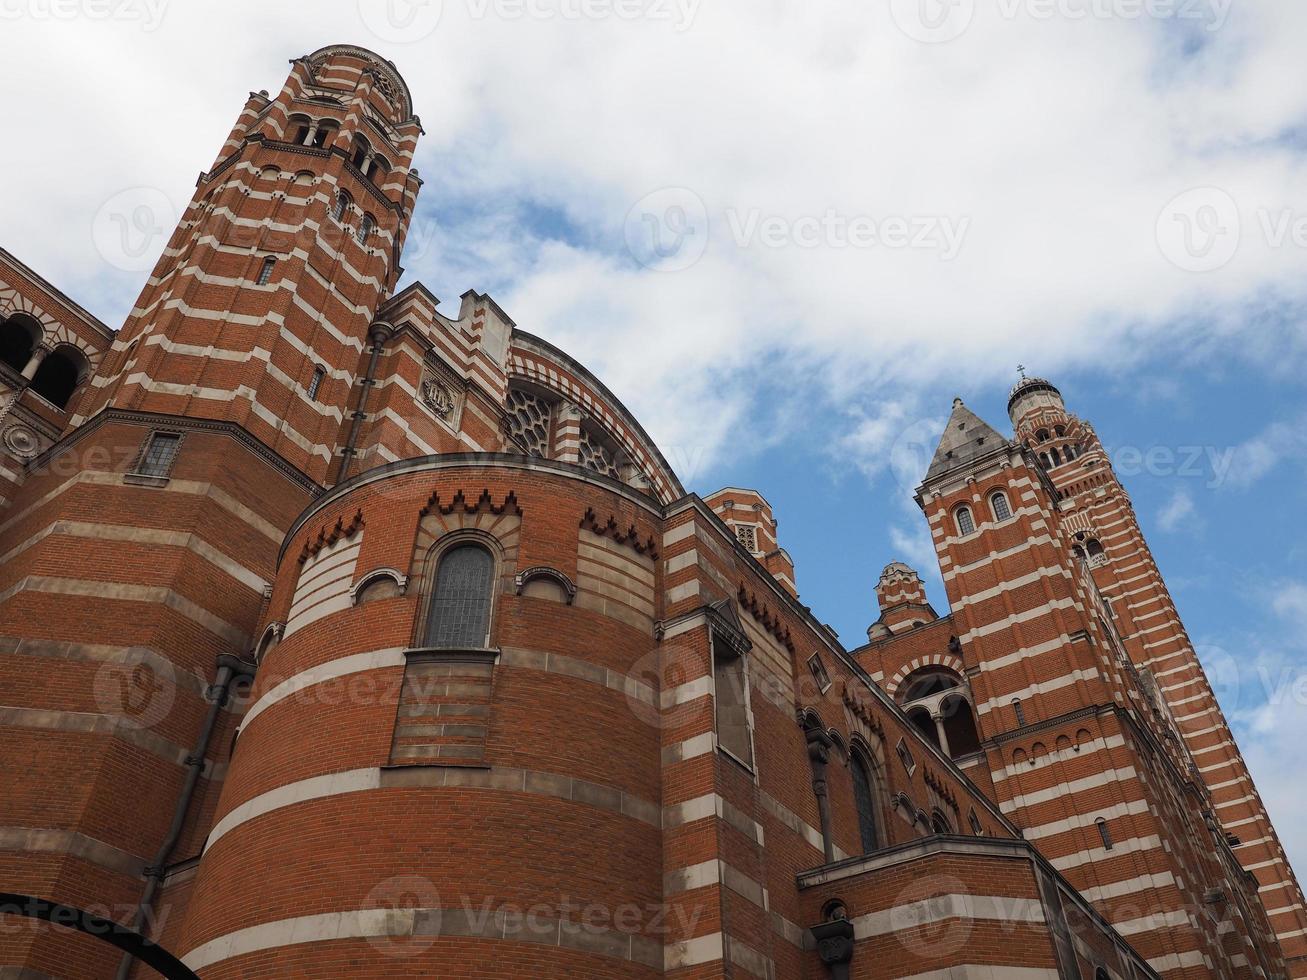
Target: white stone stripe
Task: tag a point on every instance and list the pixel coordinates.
(1041, 687)
(353, 664)
(941, 907)
(1045, 609)
(313, 788)
(1178, 961)
(1067, 789)
(1130, 845)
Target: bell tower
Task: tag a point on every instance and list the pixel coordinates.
(1105, 537)
(1080, 753)
(141, 546)
(259, 311)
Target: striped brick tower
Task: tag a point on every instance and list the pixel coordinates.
(1078, 751)
(139, 548)
(1098, 514)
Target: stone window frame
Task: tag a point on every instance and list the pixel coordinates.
(728, 646)
(548, 398)
(356, 592)
(860, 754)
(431, 565)
(545, 572)
(905, 756)
(820, 674)
(962, 516)
(137, 475)
(747, 535)
(996, 497)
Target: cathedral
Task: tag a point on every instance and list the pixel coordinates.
(346, 635)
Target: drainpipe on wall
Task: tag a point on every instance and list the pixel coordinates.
(229, 669)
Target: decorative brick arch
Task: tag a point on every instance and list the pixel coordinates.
(53, 332)
(948, 660)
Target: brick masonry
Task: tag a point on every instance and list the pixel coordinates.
(652, 761)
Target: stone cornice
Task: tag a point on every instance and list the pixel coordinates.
(155, 419)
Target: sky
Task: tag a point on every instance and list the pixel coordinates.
(787, 234)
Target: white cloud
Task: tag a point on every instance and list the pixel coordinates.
(1178, 512)
(1291, 600)
(1281, 441)
(1059, 166)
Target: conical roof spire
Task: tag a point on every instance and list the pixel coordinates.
(966, 437)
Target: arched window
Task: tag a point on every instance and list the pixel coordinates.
(1095, 548)
(378, 169)
(939, 823)
(1104, 834)
(966, 524)
(924, 684)
(998, 501)
(1042, 435)
(265, 271)
(1055, 456)
(299, 128)
(59, 374)
(326, 132)
(1019, 712)
(343, 202)
(362, 149)
(19, 336)
(365, 229)
(924, 723)
(1060, 430)
(1101, 974)
(318, 374)
(959, 726)
(460, 601)
(864, 799)
(1044, 461)
(1078, 551)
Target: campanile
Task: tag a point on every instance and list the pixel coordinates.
(141, 545)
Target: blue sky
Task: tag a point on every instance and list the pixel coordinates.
(861, 215)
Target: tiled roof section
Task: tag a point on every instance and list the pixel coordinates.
(966, 437)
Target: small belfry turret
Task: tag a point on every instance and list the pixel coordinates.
(901, 596)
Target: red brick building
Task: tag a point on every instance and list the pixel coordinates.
(342, 637)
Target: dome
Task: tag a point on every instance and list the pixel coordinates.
(1027, 385)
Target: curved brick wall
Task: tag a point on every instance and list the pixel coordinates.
(559, 812)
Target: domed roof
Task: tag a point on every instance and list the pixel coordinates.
(1027, 385)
